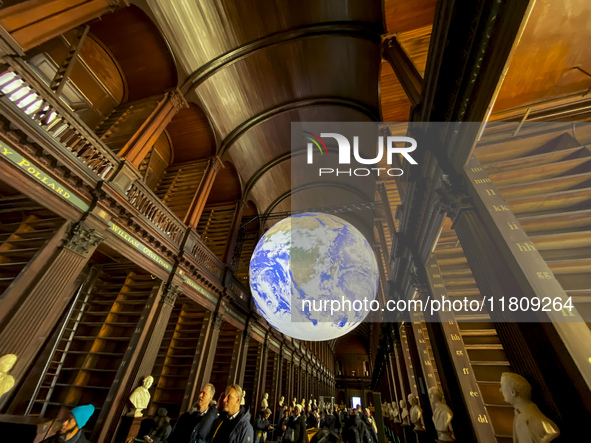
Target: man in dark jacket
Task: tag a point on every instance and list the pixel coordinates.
(299, 434)
(71, 430)
(355, 430)
(262, 426)
(232, 426)
(193, 426)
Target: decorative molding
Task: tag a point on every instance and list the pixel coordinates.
(217, 321)
(453, 198)
(81, 239)
(177, 99)
(170, 294)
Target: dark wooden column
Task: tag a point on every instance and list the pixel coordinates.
(136, 149)
(201, 195)
(211, 346)
(261, 374)
(31, 23)
(401, 371)
(458, 381)
(278, 382)
(236, 221)
(552, 356)
(247, 335)
(117, 397)
(199, 361)
(145, 364)
(40, 306)
(420, 379)
(234, 375)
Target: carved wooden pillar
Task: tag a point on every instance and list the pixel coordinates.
(33, 22)
(401, 371)
(199, 361)
(136, 149)
(138, 360)
(247, 335)
(234, 374)
(289, 390)
(404, 68)
(414, 335)
(43, 302)
(211, 348)
(261, 374)
(236, 221)
(200, 198)
(165, 306)
(278, 380)
(553, 356)
(387, 211)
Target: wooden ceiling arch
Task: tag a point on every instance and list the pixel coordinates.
(231, 138)
(140, 50)
(191, 135)
(227, 186)
(362, 31)
(257, 69)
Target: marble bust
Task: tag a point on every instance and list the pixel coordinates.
(281, 401)
(293, 402)
(140, 397)
(243, 399)
(416, 412)
(265, 401)
(530, 425)
(395, 412)
(404, 414)
(7, 362)
(442, 415)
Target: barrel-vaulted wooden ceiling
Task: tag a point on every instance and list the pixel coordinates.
(259, 65)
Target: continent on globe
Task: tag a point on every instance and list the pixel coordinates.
(307, 262)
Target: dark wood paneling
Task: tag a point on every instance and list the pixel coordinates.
(191, 135)
(140, 50)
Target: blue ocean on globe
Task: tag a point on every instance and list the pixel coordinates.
(313, 257)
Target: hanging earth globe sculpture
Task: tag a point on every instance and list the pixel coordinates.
(305, 267)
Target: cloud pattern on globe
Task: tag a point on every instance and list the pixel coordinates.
(315, 257)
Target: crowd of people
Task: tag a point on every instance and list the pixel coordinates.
(227, 421)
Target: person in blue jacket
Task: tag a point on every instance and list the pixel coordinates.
(233, 424)
(71, 430)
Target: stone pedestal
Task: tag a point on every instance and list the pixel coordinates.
(409, 435)
(128, 428)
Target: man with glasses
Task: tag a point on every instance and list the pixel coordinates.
(233, 424)
(193, 426)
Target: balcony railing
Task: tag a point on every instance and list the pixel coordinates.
(21, 86)
(26, 92)
(156, 212)
(207, 259)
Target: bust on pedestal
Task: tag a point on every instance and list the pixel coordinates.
(243, 399)
(281, 401)
(529, 424)
(404, 414)
(6, 381)
(140, 397)
(442, 415)
(265, 401)
(416, 412)
(293, 402)
(395, 412)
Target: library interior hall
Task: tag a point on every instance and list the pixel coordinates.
(146, 150)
